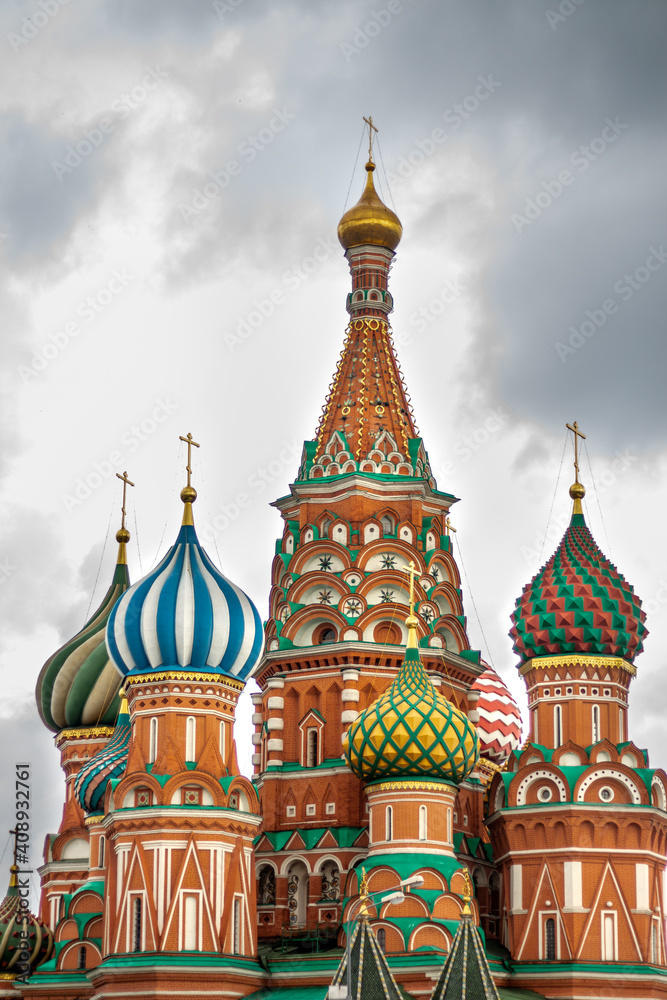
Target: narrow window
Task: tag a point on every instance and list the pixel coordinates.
(100, 853)
(190, 942)
(81, 961)
(655, 955)
(535, 731)
(621, 726)
(608, 938)
(422, 823)
(449, 826)
(388, 824)
(381, 936)
(311, 748)
(324, 533)
(136, 924)
(558, 726)
(595, 713)
(236, 930)
(494, 893)
(223, 744)
(550, 940)
(152, 749)
(190, 733)
(387, 525)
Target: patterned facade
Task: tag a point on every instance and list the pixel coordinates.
(384, 748)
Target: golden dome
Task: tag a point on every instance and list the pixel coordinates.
(370, 221)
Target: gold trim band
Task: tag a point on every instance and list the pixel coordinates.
(578, 660)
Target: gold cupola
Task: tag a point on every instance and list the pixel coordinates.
(370, 222)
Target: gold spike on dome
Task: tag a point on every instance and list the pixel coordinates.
(577, 489)
(188, 493)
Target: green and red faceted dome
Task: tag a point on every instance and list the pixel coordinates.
(578, 603)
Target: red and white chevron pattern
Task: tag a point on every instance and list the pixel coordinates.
(499, 725)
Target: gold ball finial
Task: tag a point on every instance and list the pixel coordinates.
(188, 494)
(370, 220)
(122, 535)
(577, 491)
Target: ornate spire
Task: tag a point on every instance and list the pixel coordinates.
(188, 493)
(466, 972)
(123, 535)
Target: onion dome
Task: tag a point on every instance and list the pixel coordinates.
(185, 615)
(78, 685)
(499, 726)
(370, 221)
(411, 730)
(92, 780)
(578, 602)
(25, 940)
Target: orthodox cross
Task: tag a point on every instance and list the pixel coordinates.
(126, 482)
(577, 434)
(468, 893)
(190, 443)
(449, 526)
(371, 129)
(411, 569)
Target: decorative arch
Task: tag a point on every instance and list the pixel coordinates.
(609, 773)
(520, 785)
(430, 936)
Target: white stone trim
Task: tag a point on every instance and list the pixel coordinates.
(350, 694)
(348, 716)
(275, 724)
(275, 702)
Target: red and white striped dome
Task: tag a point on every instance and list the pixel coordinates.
(499, 726)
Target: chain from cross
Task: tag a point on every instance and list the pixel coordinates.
(449, 526)
(15, 835)
(412, 570)
(371, 129)
(126, 482)
(577, 434)
(191, 443)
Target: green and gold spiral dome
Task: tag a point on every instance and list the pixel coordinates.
(411, 730)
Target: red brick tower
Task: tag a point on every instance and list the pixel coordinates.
(363, 507)
(578, 821)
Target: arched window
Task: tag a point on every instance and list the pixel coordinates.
(550, 940)
(389, 823)
(324, 530)
(236, 930)
(387, 633)
(655, 952)
(621, 726)
(223, 741)
(449, 826)
(152, 747)
(595, 727)
(558, 726)
(381, 936)
(100, 853)
(324, 635)
(190, 734)
(387, 525)
(312, 737)
(423, 819)
(136, 924)
(81, 959)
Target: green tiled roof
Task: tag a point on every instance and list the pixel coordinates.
(370, 975)
(466, 975)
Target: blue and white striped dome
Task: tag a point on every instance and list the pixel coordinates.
(185, 615)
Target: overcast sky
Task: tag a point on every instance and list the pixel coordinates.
(171, 176)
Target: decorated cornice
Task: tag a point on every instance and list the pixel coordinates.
(87, 733)
(183, 675)
(578, 660)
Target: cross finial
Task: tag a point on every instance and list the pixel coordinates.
(468, 893)
(577, 434)
(191, 443)
(126, 482)
(412, 570)
(449, 526)
(371, 129)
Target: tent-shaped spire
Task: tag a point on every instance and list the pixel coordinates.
(371, 976)
(466, 974)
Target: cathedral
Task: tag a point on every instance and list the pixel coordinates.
(400, 837)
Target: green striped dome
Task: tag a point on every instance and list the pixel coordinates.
(79, 684)
(412, 731)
